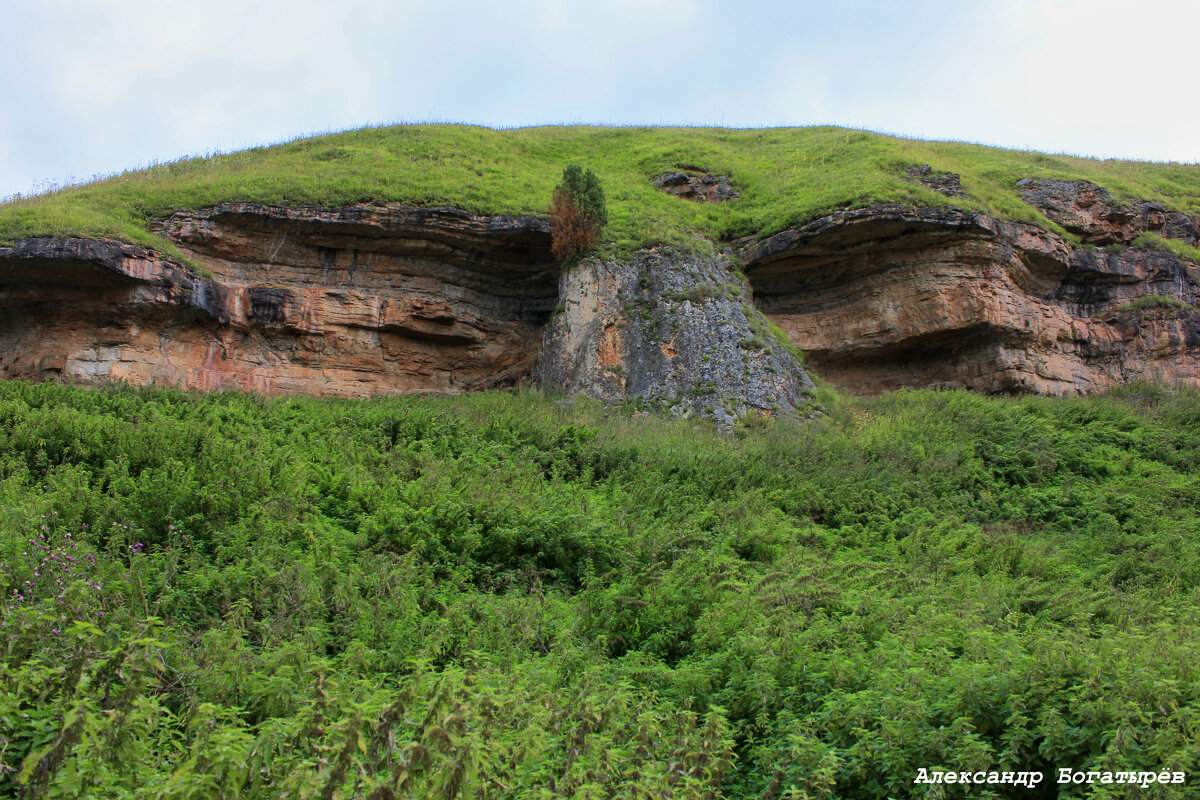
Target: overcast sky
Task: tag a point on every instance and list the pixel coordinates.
(90, 88)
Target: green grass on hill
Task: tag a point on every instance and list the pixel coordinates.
(786, 176)
(499, 596)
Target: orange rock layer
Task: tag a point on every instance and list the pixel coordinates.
(363, 301)
(891, 297)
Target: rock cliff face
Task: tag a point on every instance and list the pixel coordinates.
(384, 299)
(366, 300)
(888, 297)
(388, 299)
(670, 329)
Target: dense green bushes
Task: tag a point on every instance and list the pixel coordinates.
(504, 596)
(578, 212)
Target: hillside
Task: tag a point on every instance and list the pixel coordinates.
(502, 596)
(677, 556)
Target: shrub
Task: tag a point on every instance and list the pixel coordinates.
(577, 212)
(1149, 301)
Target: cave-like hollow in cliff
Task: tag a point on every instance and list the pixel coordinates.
(889, 297)
(366, 300)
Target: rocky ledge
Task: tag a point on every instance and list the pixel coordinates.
(889, 297)
(386, 299)
(371, 299)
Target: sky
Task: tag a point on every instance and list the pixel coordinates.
(92, 87)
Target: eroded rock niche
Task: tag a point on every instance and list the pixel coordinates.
(373, 299)
(890, 297)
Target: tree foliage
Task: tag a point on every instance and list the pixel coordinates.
(578, 212)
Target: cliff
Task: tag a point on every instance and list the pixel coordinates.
(365, 300)
(385, 299)
(1069, 291)
(890, 297)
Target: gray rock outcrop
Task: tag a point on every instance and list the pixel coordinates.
(669, 329)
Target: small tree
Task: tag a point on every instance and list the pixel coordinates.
(577, 213)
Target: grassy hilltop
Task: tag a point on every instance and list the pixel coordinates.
(786, 176)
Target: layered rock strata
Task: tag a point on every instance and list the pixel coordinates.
(670, 329)
(890, 297)
(372, 299)
(386, 299)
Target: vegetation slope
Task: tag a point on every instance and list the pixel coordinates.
(505, 596)
(786, 176)
(502, 596)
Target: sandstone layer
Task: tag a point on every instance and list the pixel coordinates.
(890, 297)
(388, 299)
(372, 299)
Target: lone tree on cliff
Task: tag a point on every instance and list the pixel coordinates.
(577, 212)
